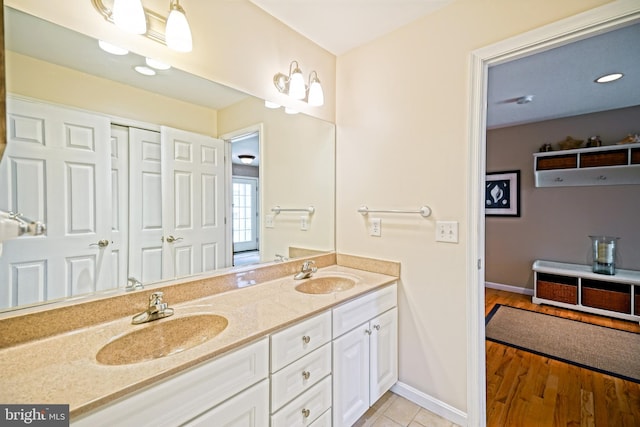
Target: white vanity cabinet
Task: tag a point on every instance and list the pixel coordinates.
(365, 353)
(231, 389)
(301, 373)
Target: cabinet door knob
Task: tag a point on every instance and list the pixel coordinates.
(306, 412)
(306, 374)
(306, 339)
(376, 327)
(367, 331)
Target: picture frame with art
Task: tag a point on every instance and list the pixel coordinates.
(502, 193)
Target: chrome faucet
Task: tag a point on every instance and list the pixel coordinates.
(281, 258)
(133, 284)
(157, 310)
(308, 268)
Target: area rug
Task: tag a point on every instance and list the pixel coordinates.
(599, 348)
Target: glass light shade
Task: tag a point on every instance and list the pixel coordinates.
(247, 159)
(316, 96)
(144, 70)
(178, 33)
(290, 110)
(297, 89)
(607, 78)
(129, 16)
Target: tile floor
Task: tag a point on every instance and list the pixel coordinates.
(395, 411)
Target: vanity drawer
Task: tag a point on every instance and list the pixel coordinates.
(323, 421)
(354, 313)
(300, 339)
(306, 408)
(300, 376)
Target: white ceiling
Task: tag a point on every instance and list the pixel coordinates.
(341, 25)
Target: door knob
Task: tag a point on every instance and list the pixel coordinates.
(171, 239)
(101, 243)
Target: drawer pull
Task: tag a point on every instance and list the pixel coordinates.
(306, 374)
(367, 331)
(306, 413)
(306, 339)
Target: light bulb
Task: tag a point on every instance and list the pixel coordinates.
(316, 96)
(178, 33)
(297, 88)
(129, 16)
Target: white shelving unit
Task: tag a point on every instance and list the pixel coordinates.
(577, 287)
(608, 165)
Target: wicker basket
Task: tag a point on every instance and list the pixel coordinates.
(608, 158)
(607, 299)
(567, 161)
(554, 291)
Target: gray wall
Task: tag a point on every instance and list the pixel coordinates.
(555, 222)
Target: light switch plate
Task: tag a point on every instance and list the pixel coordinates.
(375, 227)
(268, 221)
(447, 231)
(304, 222)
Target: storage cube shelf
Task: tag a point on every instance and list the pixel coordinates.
(608, 165)
(577, 287)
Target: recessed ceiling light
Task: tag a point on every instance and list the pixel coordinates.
(609, 78)
(145, 70)
(158, 65)
(112, 49)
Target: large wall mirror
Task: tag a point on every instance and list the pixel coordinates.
(106, 157)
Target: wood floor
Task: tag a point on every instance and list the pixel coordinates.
(524, 389)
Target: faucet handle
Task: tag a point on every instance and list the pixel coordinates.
(310, 265)
(156, 298)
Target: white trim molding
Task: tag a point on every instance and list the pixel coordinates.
(508, 288)
(604, 18)
(430, 403)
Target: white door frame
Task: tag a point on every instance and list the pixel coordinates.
(571, 29)
(227, 137)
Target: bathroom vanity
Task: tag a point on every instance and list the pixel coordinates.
(286, 357)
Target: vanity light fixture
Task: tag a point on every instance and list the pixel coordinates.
(111, 48)
(608, 78)
(272, 105)
(293, 85)
(290, 110)
(130, 15)
(178, 33)
(247, 159)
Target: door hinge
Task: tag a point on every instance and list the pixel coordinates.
(479, 264)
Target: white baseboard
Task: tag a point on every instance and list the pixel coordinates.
(508, 288)
(430, 403)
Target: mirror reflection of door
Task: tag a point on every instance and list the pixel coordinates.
(245, 172)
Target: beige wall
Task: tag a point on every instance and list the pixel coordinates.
(402, 122)
(235, 43)
(555, 222)
(303, 174)
(36, 79)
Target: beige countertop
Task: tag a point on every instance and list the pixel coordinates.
(63, 368)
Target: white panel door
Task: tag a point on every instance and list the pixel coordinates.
(119, 204)
(383, 353)
(145, 201)
(351, 376)
(193, 206)
(57, 170)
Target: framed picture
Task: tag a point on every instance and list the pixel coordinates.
(502, 193)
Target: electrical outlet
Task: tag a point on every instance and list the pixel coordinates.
(447, 231)
(268, 221)
(304, 223)
(375, 227)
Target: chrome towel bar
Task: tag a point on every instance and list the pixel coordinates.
(425, 211)
(278, 209)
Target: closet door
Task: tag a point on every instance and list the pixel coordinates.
(193, 206)
(145, 202)
(57, 170)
